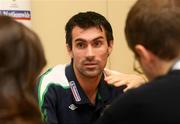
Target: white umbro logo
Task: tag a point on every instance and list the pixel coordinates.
(72, 107)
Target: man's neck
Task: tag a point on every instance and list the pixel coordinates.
(165, 66)
(89, 85)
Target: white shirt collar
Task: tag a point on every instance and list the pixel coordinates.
(176, 66)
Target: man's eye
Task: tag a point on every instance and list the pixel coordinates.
(97, 44)
(80, 45)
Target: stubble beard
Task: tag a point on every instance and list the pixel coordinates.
(91, 73)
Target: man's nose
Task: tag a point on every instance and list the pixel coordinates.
(90, 52)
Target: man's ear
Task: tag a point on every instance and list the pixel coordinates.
(141, 51)
(144, 55)
(69, 50)
(110, 47)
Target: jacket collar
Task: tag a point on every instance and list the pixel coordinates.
(78, 93)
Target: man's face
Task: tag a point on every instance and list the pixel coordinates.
(90, 51)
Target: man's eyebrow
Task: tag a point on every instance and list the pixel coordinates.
(100, 37)
(81, 39)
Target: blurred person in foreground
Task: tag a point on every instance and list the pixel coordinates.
(153, 34)
(21, 61)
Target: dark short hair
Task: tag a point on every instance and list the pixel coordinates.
(86, 20)
(155, 24)
(21, 61)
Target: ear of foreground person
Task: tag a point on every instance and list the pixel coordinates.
(153, 33)
(21, 60)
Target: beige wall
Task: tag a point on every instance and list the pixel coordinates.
(50, 16)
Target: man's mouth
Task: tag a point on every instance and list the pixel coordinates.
(90, 64)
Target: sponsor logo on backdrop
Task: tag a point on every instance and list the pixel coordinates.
(17, 14)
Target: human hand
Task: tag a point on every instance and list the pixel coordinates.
(118, 79)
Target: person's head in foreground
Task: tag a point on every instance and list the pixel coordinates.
(21, 61)
(153, 33)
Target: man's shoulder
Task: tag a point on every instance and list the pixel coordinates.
(55, 75)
